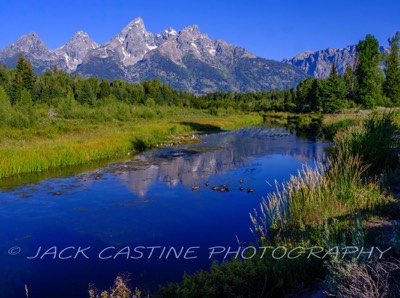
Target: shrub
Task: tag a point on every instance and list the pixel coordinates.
(120, 289)
(354, 278)
(256, 277)
(330, 130)
(6, 111)
(374, 140)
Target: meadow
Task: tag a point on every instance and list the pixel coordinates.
(69, 142)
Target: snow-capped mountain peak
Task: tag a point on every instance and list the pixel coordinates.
(187, 59)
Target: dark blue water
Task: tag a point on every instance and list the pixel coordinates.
(129, 207)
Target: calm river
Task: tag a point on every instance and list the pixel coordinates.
(60, 234)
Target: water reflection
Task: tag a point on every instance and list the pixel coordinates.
(216, 154)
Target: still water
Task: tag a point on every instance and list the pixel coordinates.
(60, 234)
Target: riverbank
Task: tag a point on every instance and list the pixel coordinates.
(322, 125)
(69, 142)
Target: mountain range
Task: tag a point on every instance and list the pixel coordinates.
(319, 64)
(187, 60)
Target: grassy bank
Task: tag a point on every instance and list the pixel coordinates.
(69, 142)
(322, 125)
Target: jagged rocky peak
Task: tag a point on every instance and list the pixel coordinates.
(129, 46)
(188, 60)
(136, 38)
(190, 38)
(192, 33)
(81, 37)
(31, 46)
(191, 42)
(302, 55)
(170, 32)
(137, 25)
(165, 35)
(29, 42)
(319, 64)
(176, 45)
(194, 29)
(75, 50)
(30, 37)
(33, 49)
(79, 44)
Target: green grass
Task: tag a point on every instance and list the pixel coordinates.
(324, 125)
(71, 142)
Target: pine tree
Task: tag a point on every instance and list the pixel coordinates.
(28, 76)
(105, 89)
(288, 101)
(24, 78)
(335, 92)
(348, 78)
(368, 73)
(85, 92)
(391, 86)
(303, 95)
(315, 95)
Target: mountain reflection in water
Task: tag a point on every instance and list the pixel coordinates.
(215, 154)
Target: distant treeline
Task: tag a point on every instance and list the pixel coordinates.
(364, 84)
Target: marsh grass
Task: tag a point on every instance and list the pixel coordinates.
(72, 142)
(316, 195)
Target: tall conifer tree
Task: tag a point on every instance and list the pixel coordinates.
(391, 86)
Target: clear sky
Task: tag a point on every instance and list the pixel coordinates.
(271, 29)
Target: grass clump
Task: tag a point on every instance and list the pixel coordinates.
(298, 208)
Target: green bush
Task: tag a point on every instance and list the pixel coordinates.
(6, 110)
(330, 130)
(256, 277)
(374, 141)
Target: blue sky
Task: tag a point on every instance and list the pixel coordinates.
(270, 29)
